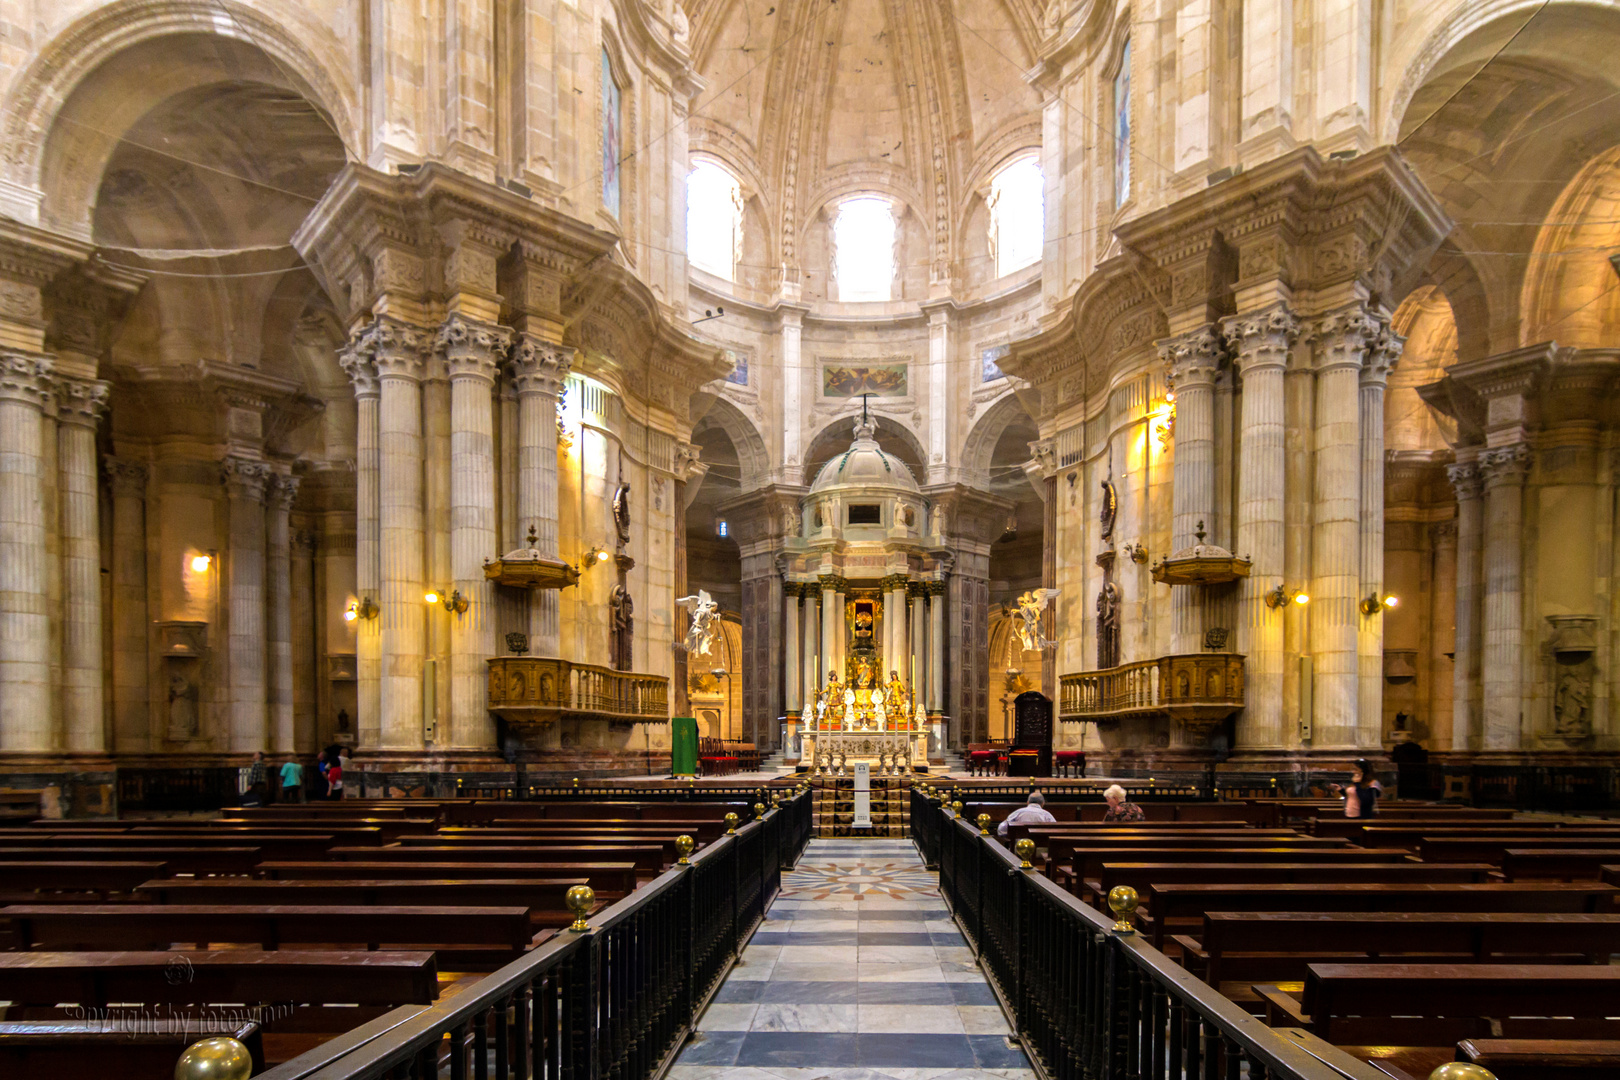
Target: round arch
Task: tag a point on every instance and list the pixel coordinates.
(1568, 294)
(97, 69)
(753, 458)
(986, 433)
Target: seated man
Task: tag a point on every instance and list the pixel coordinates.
(1119, 808)
(1034, 812)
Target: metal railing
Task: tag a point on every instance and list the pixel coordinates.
(615, 1001)
(1088, 1003)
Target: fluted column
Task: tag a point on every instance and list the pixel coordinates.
(79, 407)
(936, 646)
(539, 368)
(918, 672)
(437, 569)
(1503, 470)
(304, 637)
(1193, 359)
(473, 352)
(832, 614)
(1374, 376)
(245, 483)
(1467, 718)
(279, 495)
(398, 352)
(902, 627)
(25, 663)
(1260, 345)
(131, 708)
(792, 667)
(1341, 341)
(810, 595)
(841, 631)
(357, 362)
(1442, 610)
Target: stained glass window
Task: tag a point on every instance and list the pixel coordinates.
(612, 143)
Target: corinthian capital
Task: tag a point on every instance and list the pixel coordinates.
(244, 479)
(1465, 479)
(686, 455)
(1343, 337)
(472, 349)
(1044, 452)
(127, 478)
(1194, 357)
(1382, 355)
(81, 401)
(1505, 465)
(25, 378)
(1261, 338)
(356, 361)
(540, 366)
(280, 491)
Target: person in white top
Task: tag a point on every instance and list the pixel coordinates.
(1034, 812)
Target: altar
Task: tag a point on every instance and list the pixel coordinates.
(888, 753)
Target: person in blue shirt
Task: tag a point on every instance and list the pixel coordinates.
(292, 780)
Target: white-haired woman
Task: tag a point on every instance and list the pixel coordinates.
(1120, 808)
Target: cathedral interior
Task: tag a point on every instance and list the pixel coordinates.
(397, 375)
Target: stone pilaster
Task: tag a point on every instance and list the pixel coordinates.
(936, 646)
(245, 482)
(130, 621)
(473, 351)
(25, 662)
(1382, 355)
(1341, 341)
(361, 368)
(918, 660)
(279, 495)
(1260, 345)
(80, 404)
(539, 368)
(832, 618)
(1442, 611)
(791, 665)
(304, 639)
(810, 617)
(1193, 360)
(1467, 723)
(1502, 656)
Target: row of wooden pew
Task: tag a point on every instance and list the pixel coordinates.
(1426, 935)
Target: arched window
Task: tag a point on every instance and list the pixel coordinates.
(713, 220)
(1017, 215)
(1122, 127)
(863, 247)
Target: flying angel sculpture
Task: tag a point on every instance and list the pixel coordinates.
(1028, 627)
(705, 622)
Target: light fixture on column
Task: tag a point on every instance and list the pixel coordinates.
(201, 562)
(1279, 596)
(454, 601)
(1375, 603)
(592, 557)
(363, 608)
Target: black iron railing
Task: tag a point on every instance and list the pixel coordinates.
(1091, 1004)
(616, 1001)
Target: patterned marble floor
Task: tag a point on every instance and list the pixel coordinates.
(857, 973)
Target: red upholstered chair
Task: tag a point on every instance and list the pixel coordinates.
(983, 762)
(1064, 760)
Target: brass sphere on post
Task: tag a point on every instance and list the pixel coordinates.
(1024, 849)
(1462, 1070)
(576, 781)
(214, 1059)
(1122, 901)
(759, 810)
(579, 900)
(684, 846)
(957, 807)
(731, 823)
(984, 824)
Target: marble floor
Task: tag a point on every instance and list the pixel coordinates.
(857, 973)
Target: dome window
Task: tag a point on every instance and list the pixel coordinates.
(863, 245)
(865, 514)
(1017, 215)
(714, 212)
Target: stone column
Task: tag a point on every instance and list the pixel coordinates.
(1341, 340)
(811, 618)
(902, 627)
(936, 646)
(1193, 359)
(539, 368)
(1381, 357)
(304, 642)
(25, 663)
(245, 482)
(939, 384)
(917, 674)
(79, 406)
(280, 493)
(1442, 610)
(841, 631)
(792, 667)
(472, 351)
(1467, 718)
(1260, 345)
(362, 371)
(832, 615)
(438, 572)
(399, 349)
(1503, 470)
(131, 709)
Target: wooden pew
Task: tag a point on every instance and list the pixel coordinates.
(1557, 864)
(93, 979)
(76, 877)
(179, 859)
(128, 1049)
(1142, 875)
(544, 898)
(1494, 848)
(1412, 837)
(242, 834)
(273, 845)
(697, 830)
(1071, 860)
(607, 878)
(1544, 1059)
(1179, 904)
(649, 857)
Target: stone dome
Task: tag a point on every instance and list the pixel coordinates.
(864, 465)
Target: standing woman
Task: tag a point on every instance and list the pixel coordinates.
(1361, 794)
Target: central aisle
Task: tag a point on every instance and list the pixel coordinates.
(857, 973)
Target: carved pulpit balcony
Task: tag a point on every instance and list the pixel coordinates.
(1196, 691)
(543, 689)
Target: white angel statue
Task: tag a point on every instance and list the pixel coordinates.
(1028, 627)
(705, 622)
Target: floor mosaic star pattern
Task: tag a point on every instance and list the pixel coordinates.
(857, 973)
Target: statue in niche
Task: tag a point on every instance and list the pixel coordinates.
(183, 696)
(819, 520)
(621, 512)
(1110, 509)
(680, 27)
(791, 521)
(343, 721)
(908, 516)
(622, 627)
(1571, 704)
(1108, 626)
(938, 528)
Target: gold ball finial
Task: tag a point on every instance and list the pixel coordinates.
(1462, 1070)
(579, 900)
(957, 807)
(731, 823)
(1122, 901)
(1024, 849)
(984, 824)
(576, 781)
(214, 1059)
(759, 809)
(684, 846)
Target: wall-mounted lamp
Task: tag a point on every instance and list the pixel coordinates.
(708, 314)
(363, 608)
(201, 563)
(1374, 604)
(454, 602)
(592, 557)
(1279, 596)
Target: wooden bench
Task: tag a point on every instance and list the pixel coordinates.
(179, 859)
(1544, 1059)
(1142, 876)
(1557, 864)
(649, 858)
(127, 1049)
(77, 877)
(1073, 861)
(495, 834)
(1412, 837)
(1179, 904)
(607, 878)
(1494, 849)
(543, 897)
